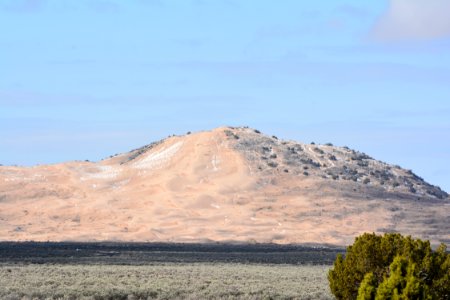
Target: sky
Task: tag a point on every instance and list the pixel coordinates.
(86, 79)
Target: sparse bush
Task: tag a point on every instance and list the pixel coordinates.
(317, 150)
(305, 173)
(329, 144)
(437, 192)
(230, 133)
(391, 267)
(366, 180)
(359, 156)
(163, 281)
(363, 163)
(272, 164)
(311, 162)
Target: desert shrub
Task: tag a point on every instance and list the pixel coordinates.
(318, 150)
(272, 164)
(266, 149)
(359, 156)
(311, 162)
(230, 133)
(164, 281)
(391, 267)
(437, 192)
(362, 163)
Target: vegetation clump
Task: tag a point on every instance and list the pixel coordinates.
(272, 164)
(391, 267)
(163, 281)
(318, 150)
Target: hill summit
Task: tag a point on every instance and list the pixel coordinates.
(231, 184)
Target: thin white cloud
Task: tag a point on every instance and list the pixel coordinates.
(22, 5)
(35, 6)
(414, 20)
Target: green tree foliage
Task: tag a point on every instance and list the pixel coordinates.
(391, 267)
(367, 288)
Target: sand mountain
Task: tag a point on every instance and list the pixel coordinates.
(228, 184)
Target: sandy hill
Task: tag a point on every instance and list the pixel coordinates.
(228, 184)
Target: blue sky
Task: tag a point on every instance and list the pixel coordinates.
(87, 79)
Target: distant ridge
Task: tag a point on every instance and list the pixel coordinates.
(228, 184)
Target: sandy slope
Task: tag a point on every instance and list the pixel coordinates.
(200, 188)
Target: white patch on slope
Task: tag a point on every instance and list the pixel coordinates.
(104, 172)
(157, 159)
(215, 162)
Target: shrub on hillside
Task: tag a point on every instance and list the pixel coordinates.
(391, 267)
(272, 164)
(318, 150)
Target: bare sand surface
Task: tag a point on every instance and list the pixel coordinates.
(200, 188)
